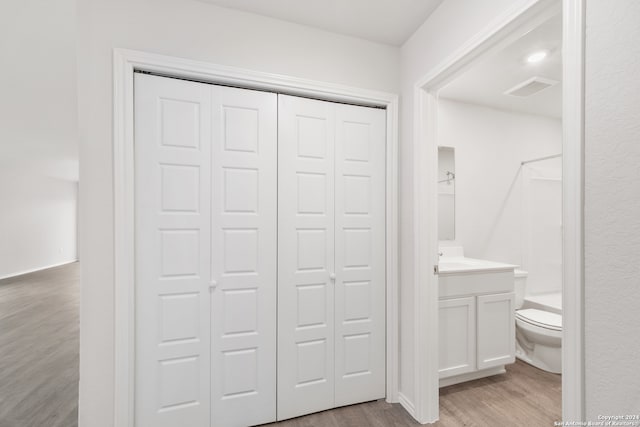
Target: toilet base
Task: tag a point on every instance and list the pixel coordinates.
(548, 359)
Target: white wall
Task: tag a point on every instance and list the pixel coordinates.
(612, 208)
(489, 146)
(38, 143)
(446, 30)
(195, 30)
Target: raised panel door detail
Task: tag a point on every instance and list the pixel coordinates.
(357, 247)
(311, 362)
(240, 311)
(312, 137)
(179, 383)
(360, 364)
(357, 140)
(305, 256)
(457, 336)
(357, 354)
(180, 188)
(309, 186)
(179, 317)
(179, 252)
(240, 190)
(241, 129)
(240, 373)
(243, 256)
(312, 305)
(496, 330)
(180, 123)
(357, 301)
(240, 251)
(172, 243)
(357, 194)
(312, 250)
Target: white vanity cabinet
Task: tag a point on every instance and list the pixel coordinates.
(457, 338)
(476, 323)
(496, 330)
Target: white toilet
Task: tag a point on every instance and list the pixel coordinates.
(538, 331)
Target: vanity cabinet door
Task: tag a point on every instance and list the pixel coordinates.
(496, 330)
(457, 336)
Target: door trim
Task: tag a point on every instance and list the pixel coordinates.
(512, 24)
(125, 63)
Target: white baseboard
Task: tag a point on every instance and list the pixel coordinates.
(33, 270)
(457, 379)
(407, 404)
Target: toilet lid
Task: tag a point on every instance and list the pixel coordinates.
(544, 319)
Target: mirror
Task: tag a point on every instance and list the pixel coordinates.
(446, 193)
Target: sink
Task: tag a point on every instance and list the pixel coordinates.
(461, 264)
(461, 276)
(449, 266)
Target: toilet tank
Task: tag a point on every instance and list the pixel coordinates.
(520, 284)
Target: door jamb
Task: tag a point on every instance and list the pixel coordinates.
(125, 62)
(508, 27)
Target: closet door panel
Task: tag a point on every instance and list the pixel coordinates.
(305, 256)
(360, 254)
(172, 238)
(244, 241)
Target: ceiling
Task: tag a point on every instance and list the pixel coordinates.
(486, 82)
(384, 21)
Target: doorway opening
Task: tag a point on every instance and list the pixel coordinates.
(500, 231)
(502, 219)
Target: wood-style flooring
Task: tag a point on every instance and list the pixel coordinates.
(39, 332)
(523, 397)
(39, 372)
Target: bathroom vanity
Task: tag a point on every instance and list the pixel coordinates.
(477, 318)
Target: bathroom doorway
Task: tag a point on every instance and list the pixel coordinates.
(505, 120)
(500, 231)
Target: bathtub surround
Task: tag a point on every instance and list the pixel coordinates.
(541, 227)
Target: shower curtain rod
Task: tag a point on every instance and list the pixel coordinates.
(524, 162)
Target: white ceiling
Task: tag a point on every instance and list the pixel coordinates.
(486, 82)
(384, 21)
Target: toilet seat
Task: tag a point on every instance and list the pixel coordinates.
(541, 318)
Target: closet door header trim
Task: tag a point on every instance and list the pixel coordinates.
(273, 90)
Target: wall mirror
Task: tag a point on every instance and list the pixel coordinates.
(446, 193)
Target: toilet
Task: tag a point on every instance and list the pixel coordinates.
(538, 330)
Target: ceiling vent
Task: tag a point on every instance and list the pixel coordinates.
(530, 86)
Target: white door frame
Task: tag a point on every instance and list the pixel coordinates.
(125, 62)
(499, 33)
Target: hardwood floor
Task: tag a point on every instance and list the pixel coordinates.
(39, 372)
(523, 397)
(39, 331)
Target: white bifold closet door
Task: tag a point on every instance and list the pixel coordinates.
(205, 230)
(331, 255)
